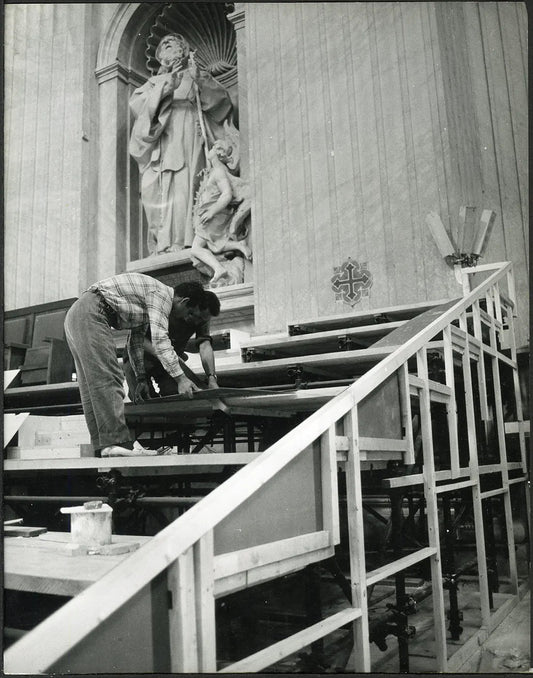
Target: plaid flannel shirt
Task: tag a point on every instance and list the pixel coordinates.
(141, 302)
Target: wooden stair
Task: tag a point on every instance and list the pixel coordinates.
(333, 393)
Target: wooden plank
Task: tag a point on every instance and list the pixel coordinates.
(182, 615)
(406, 414)
(284, 648)
(500, 426)
(382, 444)
(476, 498)
(23, 531)
(440, 235)
(513, 427)
(432, 514)
(330, 489)
(34, 567)
(296, 342)
(173, 462)
(273, 570)
(205, 603)
(351, 319)
(482, 383)
(451, 406)
(228, 564)
(434, 386)
(493, 493)
(453, 487)
(385, 571)
(358, 576)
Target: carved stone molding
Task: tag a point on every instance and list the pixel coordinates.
(238, 16)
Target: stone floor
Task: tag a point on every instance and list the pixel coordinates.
(508, 648)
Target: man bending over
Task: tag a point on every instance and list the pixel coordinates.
(139, 303)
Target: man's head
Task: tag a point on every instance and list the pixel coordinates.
(193, 304)
(222, 150)
(172, 50)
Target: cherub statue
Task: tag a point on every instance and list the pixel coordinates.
(221, 210)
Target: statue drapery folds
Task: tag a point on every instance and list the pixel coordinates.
(188, 151)
(167, 141)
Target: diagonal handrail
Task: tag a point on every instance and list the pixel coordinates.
(76, 619)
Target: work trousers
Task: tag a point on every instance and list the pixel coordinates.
(100, 376)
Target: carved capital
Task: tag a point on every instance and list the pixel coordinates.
(112, 71)
(238, 17)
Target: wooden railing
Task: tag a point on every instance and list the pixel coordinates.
(198, 570)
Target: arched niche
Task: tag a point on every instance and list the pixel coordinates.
(123, 64)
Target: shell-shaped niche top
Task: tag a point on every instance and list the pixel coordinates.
(207, 30)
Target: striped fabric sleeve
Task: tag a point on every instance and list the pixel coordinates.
(135, 348)
(159, 306)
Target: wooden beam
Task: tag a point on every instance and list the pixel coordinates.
(406, 414)
(385, 571)
(451, 406)
(432, 514)
(330, 490)
(354, 509)
(273, 570)
(182, 615)
(270, 655)
(453, 487)
(228, 564)
(205, 604)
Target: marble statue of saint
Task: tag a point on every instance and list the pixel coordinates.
(221, 213)
(176, 112)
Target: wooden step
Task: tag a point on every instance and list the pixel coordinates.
(165, 464)
(338, 365)
(264, 348)
(379, 315)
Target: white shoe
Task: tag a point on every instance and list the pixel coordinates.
(118, 451)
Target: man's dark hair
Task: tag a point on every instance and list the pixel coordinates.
(198, 296)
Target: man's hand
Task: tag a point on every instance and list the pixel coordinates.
(142, 392)
(186, 386)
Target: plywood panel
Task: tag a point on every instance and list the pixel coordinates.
(133, 640)
(294, 498)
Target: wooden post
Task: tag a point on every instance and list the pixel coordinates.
(192, 616)
(476, 494)
(330, 490)
(357, 544)
(451, 405)
(432, 513)
(182, 615)
(476, 318)
(500, 426)
(406, 414)
(205, 603)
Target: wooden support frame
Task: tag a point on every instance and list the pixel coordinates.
(185, 548)
(358, 577)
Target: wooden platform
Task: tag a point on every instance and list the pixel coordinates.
(391, 313)
(168, 464)
(35, 564)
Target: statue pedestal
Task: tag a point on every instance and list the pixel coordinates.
(237, 301)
